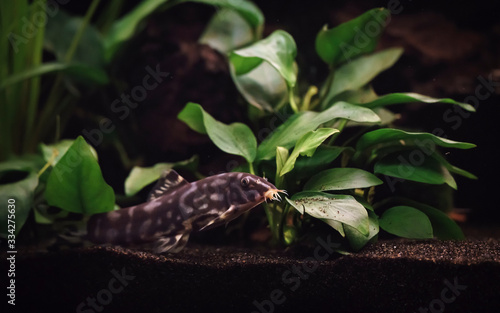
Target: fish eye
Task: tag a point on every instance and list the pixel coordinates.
(245, 181)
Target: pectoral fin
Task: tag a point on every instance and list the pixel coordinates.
(223, 218)
(173, 244)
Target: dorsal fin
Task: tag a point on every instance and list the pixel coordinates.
(169, 181)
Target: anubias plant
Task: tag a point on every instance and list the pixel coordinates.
(328, 179)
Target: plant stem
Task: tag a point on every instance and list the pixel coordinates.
(327, 87)
(81, 29)
(270, 220)
(292, 101)
(109, 15)
(250, 168)
(311, 92)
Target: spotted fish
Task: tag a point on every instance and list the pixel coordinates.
(175, 208)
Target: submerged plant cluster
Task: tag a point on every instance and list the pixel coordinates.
(334, 147)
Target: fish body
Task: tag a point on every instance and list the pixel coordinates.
(176, 208)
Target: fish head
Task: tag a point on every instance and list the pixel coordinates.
(241, 192)
(249, 190)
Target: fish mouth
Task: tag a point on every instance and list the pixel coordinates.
(273, 194)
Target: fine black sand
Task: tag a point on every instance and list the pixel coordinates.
(389, 276)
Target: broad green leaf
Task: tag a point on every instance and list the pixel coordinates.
(287, 134)
(359, 72)
(298, 124)
(193, 116)
(263, 87)
(443, 226)
(342, 208)
(353, 38)
(82, 72)
(398, 98)
(423, 169)
(350, 112)
(278, 49)
(60, 149)
(452, 168)
(407, 222)
(389, 136)
(321, 159)
(236, 138)
(18, 181)
(342, 178)
(76, 183)
(306, 146)
(227, 31)
(140, 177)
(358, 240)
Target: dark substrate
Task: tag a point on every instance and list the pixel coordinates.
(389, 276)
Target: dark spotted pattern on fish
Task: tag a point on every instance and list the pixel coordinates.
(177, 207)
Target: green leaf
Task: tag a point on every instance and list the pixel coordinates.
(287, 134)
(263, 87)
(61, 147)
(342, 178)
(398, 98)
(459, 171)
(350, 112)
(236, 138)
(76, 183)
(357, 240)
(323, 156)
(342, 208)
(307, 145)
(424, 169)
(278, 49)
(444, 227)
(18, 181)
(140, 177)
(82, 72)
(353, 38)
(193, 116)
(361, 71)
(407, 222)
(379, 139)
(227, 31)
